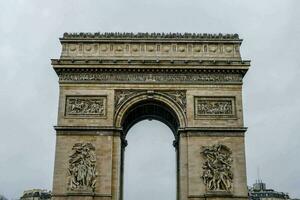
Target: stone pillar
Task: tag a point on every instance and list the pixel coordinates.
(106, 146)
(193, 162)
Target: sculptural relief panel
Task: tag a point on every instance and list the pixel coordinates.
(85, 106)
(214, 107)
(82, 168)
(217, 173)
(178, 96)
(151, 49)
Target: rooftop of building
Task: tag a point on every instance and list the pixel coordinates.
(43, 194)
(259, 189)
(150, 36)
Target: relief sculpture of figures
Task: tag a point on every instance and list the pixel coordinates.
(179, 96)
(82, 168)
(85, 106)
(214, 107)
(217, 174)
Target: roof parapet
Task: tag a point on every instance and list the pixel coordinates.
(139, 35)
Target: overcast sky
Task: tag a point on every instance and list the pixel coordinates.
(29, 32)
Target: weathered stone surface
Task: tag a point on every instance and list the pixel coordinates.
(192, 82)
(82, 168)
(217, 174)
(85, 106)
(214, 107)
(153, 45)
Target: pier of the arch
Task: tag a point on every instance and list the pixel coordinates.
(190, 82)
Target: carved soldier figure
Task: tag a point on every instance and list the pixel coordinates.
(217, 173)
(82, 169)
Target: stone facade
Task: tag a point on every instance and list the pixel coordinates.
(191, 82)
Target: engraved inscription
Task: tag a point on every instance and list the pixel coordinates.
(86, 105)
(214, 106)
(151, 78)
(82, 168)
(217, 174)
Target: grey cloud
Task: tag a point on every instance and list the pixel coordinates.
(29, 89)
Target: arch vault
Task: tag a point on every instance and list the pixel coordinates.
(110, 81)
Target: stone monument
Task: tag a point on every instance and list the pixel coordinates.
(110, 81)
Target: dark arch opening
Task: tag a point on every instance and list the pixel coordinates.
(149, 109)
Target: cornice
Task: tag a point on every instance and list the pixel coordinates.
(149, 36)
(184, 132)
(152, 70)
(151, 66)
(215, 129)
(152, 62)
(86, 128)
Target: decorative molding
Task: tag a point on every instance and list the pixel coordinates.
(178, 96)
(145, 64)
(153, 78)
(226, 51)
(119, 35)
(224, 194)
(85, 106)
(82, 168)
(86, 128)
(155, 45)
(92, 194)
(217, 174)
(215, 107)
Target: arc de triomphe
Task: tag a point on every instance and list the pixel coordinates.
(110, 81)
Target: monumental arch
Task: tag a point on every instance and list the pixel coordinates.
(110, 81)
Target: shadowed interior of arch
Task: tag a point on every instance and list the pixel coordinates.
(159, 115)
(150, 109)
(149, 162)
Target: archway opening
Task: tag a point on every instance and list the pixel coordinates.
(150, 162)
(156, 112)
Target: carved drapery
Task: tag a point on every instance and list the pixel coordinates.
(86, 106)
(179, 96)
(82, 168)
(217, 174)
(214, 107)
